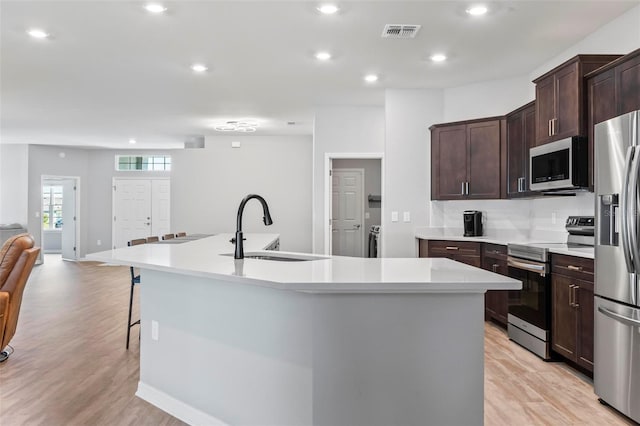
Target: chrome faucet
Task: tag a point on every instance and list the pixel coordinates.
(239, 253)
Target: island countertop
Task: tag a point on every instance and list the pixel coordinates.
(212, 257)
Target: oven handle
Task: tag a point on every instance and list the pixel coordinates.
(540, 268)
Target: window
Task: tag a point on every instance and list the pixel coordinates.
(52, 207)
(144, 163)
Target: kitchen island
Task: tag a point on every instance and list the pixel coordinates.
(323, 341)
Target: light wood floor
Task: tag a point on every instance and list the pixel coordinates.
(70, 366)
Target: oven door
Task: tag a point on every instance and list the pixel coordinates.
(532, 304)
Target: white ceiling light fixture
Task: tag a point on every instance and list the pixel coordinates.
(155, 8)
(438, 57)
(132, 141)
(199, 68)
(477, 10)
(328, 9)
(240, 126)
(38, 33)
(323, 56)
(370, 78)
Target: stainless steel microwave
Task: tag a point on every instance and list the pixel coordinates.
(560, 165)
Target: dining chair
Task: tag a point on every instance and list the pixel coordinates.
(135, 279)
(168, 237)
(153, 239)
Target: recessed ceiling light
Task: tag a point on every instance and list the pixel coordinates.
(371, 78)
(199, 67)
(323, 56)
(132, 141)
(240, 126)
(155, 8)
(438, 57)
(37, 33)
(328, 9)
(477, 10)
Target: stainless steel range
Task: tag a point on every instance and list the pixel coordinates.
(529, 318)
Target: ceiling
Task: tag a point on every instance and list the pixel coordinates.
(111, 71)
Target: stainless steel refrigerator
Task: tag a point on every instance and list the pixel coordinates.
(617, 304)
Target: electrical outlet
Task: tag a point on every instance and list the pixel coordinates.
(394, 216)
(154, 330)
(99, 242)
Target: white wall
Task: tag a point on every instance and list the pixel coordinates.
(340, 130)
(407, 181)
(14, 183)
(208, 184)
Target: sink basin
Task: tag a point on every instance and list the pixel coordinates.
(277, 257)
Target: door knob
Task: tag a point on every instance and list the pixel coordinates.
(357, 226)
(147, 223)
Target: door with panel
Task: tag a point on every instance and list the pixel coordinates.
(68, 237)
(449, 162)
(160, 206)
(347, 212)
(545, 109)
(566, 123)
(484, 159)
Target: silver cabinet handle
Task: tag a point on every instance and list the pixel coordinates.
(619, 317)
(451, 248)
(574, 268)
(575, 296)
(549, 125)
(462, 188)
(571, 295)
(467, 187)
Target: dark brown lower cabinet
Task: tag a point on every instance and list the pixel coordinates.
(572, 309)
(461, 251)
(494, 259)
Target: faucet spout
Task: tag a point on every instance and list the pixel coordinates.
(239, 252)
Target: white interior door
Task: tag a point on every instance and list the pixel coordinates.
(68, 237)
(347, 216)
(132, 210)
(160, 206)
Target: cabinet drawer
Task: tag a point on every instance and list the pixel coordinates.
(439, 248)
(571, 266)
(494, 251)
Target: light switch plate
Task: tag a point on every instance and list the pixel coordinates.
(394, 216)
(406, 217)
(154, 330)
(367, 215)
(235, 144)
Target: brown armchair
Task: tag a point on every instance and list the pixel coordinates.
(17, 257)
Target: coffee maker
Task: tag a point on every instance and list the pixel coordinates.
(472, 223)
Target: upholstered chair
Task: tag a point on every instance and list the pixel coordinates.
(17, 258)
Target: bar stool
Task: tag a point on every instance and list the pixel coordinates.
(135, 279)
(152, 239)
(168, 237)
(181, 234)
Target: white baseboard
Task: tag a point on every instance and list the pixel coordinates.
(175, 407)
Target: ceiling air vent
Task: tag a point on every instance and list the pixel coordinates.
(400, 31)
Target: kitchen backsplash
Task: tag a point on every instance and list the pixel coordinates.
(533, 219)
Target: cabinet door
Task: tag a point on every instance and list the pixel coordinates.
(545, 109)
(449, 162)
(496, 301)
(585, 323)
(568, 109)
(484, 159)
(423, 248)
(602, 105)
(515, 153)
(529, 116)
(564, 319)
(628, 87)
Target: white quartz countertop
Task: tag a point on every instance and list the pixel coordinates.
(209, 257)
(443, 234)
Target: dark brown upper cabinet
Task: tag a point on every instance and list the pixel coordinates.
(561, 101)
(612, 90)
(468, 159)
(521, 133)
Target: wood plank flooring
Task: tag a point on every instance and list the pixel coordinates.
(70, 366)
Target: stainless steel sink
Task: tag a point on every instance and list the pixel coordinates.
(277, 257)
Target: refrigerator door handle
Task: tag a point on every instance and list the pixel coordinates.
(625, 213)
(625, 320)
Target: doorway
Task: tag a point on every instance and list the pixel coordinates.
(141, 208)
(59, 215)
(353, 204)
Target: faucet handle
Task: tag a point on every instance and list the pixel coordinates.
(233, 240)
